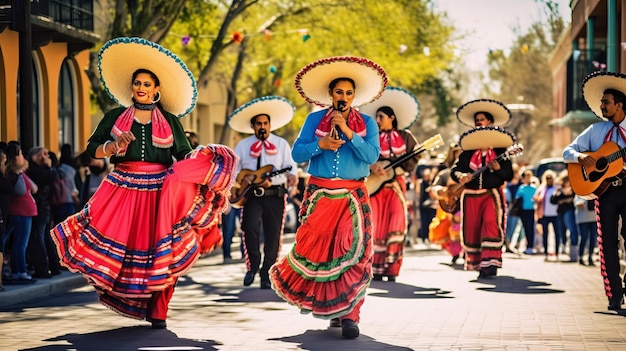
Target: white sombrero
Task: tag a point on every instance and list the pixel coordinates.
(369, 78)
(486, 137)
(596, 83)
(403, 102)
(279, 109)
(120, 57)
(501, 114)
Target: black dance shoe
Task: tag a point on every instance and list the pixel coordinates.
(158, 324)
(265, 284)
(615, 304)
(249, 278)
(349, 329)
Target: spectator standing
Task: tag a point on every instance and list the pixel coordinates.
(587, 227)
(69, 199)
(22, 209)
(512, 220)
(563, 197)
(6, 188)
(526, 192)
(546, 212)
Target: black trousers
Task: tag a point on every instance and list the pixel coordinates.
(612, 206)
(266, 212)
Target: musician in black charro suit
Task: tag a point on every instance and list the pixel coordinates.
(395, 110)
(482, 170)
(265, 205)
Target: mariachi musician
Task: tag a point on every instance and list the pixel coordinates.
(265, 194)
(395, 111)
(482, 169)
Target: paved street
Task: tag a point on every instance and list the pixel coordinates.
(531, 305)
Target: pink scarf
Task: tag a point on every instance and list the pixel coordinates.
(257, 147)
(355, 122)
(391, 142)
(162, 136)
(476, 161)
(608, 135)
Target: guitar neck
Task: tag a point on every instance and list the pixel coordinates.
(617, 155)
(484, 168)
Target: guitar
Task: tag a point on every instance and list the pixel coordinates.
(450, 200)
(249, 180)
(375, 182)
(593, 181)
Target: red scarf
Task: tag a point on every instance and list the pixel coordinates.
(391, 142)
(257, 147)
(355, 122)
(162, 136)
(476, 161)
(610, 133)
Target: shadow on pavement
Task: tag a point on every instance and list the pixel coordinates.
(132, 338)
(395, 290)
(323, 340)
(506, 284)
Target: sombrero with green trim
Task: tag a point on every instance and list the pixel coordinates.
(403, 102)
(501, 114)
(596, 83)
(279, 109)
(120, 57)
(369, 78)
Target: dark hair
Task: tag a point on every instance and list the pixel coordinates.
(618, 96)
(13, 149)
(143, 70)
(488, 115)
(389, 112)
(253, 119)
(333, 83)
(67, 156)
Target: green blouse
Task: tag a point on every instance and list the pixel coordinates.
(141, 149)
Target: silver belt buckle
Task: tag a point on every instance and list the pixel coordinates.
(617, 182)
(258, 192)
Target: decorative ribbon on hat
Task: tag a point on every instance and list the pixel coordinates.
(257, 147)
(476, 161)
(162, 136)
(391, 142)
(608, 135)
(355, 122)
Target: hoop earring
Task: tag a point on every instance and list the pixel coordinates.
(158, 99)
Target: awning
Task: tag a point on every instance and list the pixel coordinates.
(575, 118)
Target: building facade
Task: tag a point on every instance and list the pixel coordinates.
(595, 40)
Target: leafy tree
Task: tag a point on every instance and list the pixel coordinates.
(523, 76)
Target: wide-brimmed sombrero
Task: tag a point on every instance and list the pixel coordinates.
(486, 137)
(279, 109)
(369, 78)
(403, 102)
(501, 114)
(596, 83)
(120, 57)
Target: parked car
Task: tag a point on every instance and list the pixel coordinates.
(555, 164)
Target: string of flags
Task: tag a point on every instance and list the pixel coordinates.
(238, 36)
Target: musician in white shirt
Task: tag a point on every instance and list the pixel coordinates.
(264, 207)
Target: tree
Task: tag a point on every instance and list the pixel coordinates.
(523, 76)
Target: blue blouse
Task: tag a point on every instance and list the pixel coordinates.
(351, 161)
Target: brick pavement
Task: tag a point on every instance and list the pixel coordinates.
(531, 305)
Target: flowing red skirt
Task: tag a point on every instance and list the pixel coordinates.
(146, 225)
(389, 211)
(328, 270)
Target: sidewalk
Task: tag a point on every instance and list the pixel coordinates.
(433, 306)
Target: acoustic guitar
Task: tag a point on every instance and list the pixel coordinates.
(591, 182)
(375, 182)
(450, 201)
(247, 180)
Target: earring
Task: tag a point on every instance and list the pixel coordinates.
(157, 99)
